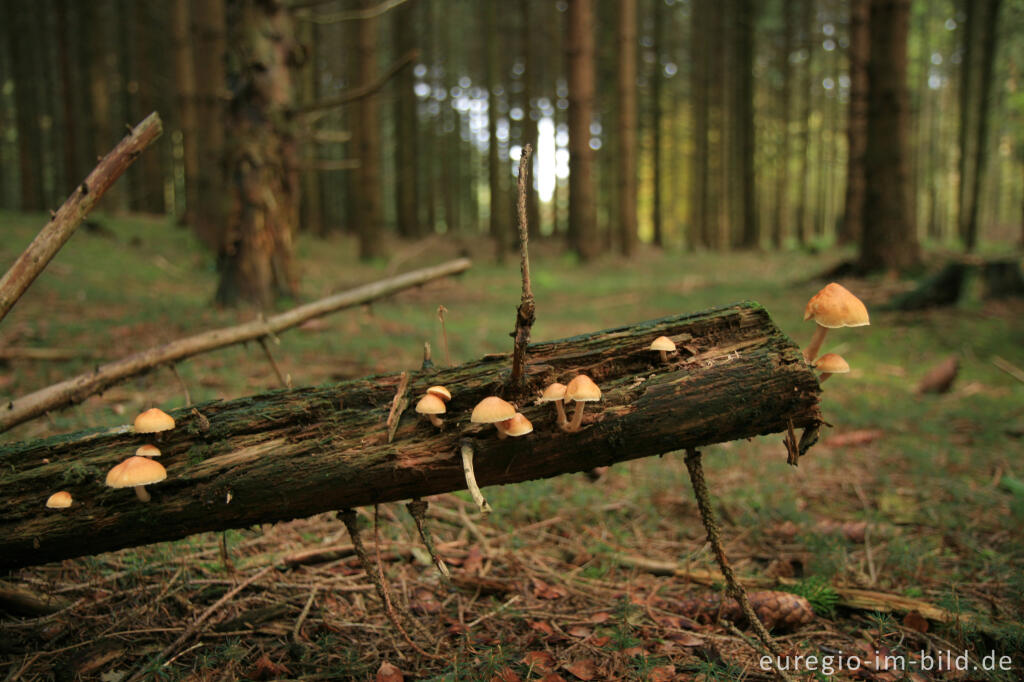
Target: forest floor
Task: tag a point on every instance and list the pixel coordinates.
(907, 495)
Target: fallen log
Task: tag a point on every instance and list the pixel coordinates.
(77, 389)
(293, 453)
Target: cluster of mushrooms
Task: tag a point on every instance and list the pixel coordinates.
(137, 471)
(832, 307)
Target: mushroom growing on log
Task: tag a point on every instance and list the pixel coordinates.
(746, 378)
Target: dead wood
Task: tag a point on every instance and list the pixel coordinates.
(79, 388)
(293, 453)
(74, 210)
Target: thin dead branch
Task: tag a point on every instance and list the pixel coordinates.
(78, 388)
(363, 90)
(344, 15)
(525, 314)
(74, 210)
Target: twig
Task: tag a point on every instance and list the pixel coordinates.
(441, 312)
(285, 381)
(68, 217)
(707, 515)
(302, 616)
(398, 405)
(345, 15)
(198, 623)
(28, 353)
(1008, 367)
(428, 362)
(181, 382)
(348, 517)
(79, 388)
(418, 510)
(525, 314)
(361, 91)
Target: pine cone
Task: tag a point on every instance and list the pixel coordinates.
(777, 610)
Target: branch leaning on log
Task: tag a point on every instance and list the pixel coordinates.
(294, 453)
(81, 387)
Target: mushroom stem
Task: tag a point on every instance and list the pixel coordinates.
(142, 493)
(814, 346)
(577, 417)
(435, 420)
(563, 421)
(664, 356)
(467, 469)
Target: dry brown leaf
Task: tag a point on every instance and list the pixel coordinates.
(424, 601)
(265, 669)
(506, 674)
(552, 677)
(543, 590)
(389, 673)
(474, 560)
(853, 438)
(540, 660)
(940, 378)
(685, 639)
(915, 621)
(601, 641)
(581, 631)
(583, 668)
(599, 617)
(663, 673)
(633, 651)
(541, 626)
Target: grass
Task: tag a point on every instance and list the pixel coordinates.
(940, 488)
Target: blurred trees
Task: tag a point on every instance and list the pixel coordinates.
(733, 116)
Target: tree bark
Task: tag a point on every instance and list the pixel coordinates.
(366, 133)
(582, 207)
(857, 124)
(289, 454)
(26, 64)
(185, 87)
(211, 95)
(785, 109)
(888, 238)
(746, 17)
(627, 127)
(406, 134)
(256, 254)
(699, 77)
(804, 140)
(657, 86)
(498, 214)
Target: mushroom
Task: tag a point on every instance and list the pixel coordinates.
(832, 307)
(148, 450)
(432, 406)
(555, 393)
(59, 500)
(493, 410)
(136, 472)
(153, 420)
(664, 345)
(830, 364)
(581, 389)
(441, 392)
(517, 426)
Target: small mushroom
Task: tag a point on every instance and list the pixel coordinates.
(493, 410)
(148, 450)
(555, 393)
(580, 390)
(517, 426)
(431, 406)
(136, 472)
(59, 500)
(664, 345)
(832, 307)
(829, 364)
(153, 420)
(441, 392)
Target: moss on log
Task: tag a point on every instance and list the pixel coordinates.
(293, 453)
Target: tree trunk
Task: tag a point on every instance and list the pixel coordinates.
(806, 87)
(888, 238)
(498, 219)
(294, 453)
(699, 76)
(657, 82)
(256, 255)
(26, 61)
(406, 133)
(366, 133)
(989, 9)
(311, 205)
(745, 19)
(582, 209)
(185, 93)
(785, 107)
(627, 127)
(856, 125)
(211, 85)
(528, 47)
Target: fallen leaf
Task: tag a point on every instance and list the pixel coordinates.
(389, 673)
(583, 668)
(853, 438)
(663, 673)
(266, 669)
(915, 621)
(506, 674)
(552, 677)
(543, 590)
(424, 601)
(540, 660)
(633, 651)
(685, 639)
(541, 626)
(940, 378)
(599, 617)
(580, 631)
(601, 641)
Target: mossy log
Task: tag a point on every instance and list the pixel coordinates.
(293, 453)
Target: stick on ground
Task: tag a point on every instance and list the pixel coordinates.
(70, 215)
(525, 314)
